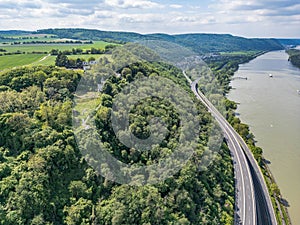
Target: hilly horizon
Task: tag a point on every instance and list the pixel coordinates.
(201, 43)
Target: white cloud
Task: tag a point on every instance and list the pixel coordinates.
(175, 6)
(271, 12)
(253, 5)
(126, 4)
(20, 4)
(194, 20)
(140, 18)
(185, 19)
(240, 17)
(103, 14)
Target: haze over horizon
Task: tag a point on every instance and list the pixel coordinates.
(254, 18)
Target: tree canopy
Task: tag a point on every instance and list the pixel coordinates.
(45, 180)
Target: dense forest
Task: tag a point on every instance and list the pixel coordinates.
(6, 35)
(289, 42)
(44, 178)
(294, 57)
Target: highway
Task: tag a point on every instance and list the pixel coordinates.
(253, 204)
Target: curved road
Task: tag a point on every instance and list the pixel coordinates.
(253, 203)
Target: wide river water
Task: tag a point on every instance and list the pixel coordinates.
(271, 107)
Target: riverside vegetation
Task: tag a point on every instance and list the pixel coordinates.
(294, 57)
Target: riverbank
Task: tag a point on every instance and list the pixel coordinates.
(225, 69)
(263, 105)
(294, 56)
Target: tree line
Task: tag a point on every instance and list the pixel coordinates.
(52, 42)
(294, 57)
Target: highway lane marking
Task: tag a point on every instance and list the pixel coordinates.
(242, 175)
(247, 168)
(237, 156)
(225, 124)
(236, 153)
(222, 120)
(262, 181)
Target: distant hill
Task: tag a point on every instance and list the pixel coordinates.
(14, 32)
(200, 43)
(5, 35)
(91, 34)
(289, 41)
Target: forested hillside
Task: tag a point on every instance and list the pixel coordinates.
(203, 43)
(294, 57)
(200, 43)
(45, 180)
(289, 41)
(6, 35)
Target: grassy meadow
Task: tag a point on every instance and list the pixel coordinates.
(28, 48)
(43, 58)
(10, 61)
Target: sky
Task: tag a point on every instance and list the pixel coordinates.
(248, 18)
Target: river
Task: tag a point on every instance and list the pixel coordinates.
(271, 107)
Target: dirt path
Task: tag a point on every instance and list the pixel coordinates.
(44, 58)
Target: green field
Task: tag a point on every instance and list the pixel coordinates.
(49, 47)
(37, 39)
(50, 60)
(27, 38)
(10, 61)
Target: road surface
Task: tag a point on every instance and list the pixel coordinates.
(253, 202)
